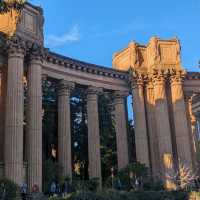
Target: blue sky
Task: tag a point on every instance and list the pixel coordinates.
(92, 30)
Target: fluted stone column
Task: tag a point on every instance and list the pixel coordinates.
(14, 113)
(34, 121)
(141, 137)
(180, 119)
(121, 129)
(64, 128)
(163, 125)
(151, 122)
(93, 133)
(192, 123)
(2, 113)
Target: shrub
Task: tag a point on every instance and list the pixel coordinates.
(134, 169)
(89, 185)
(116, 195)
(9, 189)
(51, 173)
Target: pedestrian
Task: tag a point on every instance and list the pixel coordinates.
(58, 190)
(53, 188)
(66, 188)
(24, 191)
(2, 191)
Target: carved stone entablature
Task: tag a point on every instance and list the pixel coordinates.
(85, 67)
(65, 87)
(131, 57)
(193, 76)
(158, 54)
(31, 23)
(16, 45)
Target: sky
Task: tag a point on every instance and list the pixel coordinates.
(92, 30)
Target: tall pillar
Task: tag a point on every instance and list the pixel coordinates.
(93, 133)
(141, 137)
(2, 113)
(151, 124)
(180, 119)
(163, 125)
(34, 121)
(64, 128)
(121, 129)
(13, 151)
(192, 123)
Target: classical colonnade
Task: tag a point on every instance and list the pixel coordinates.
(17, 52)
(162, 102)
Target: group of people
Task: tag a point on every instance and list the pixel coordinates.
(61, 190)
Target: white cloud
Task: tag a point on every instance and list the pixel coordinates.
(73, 35)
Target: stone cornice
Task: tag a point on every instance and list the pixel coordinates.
(85, 67)
(193, 76)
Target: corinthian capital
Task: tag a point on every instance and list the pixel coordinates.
(36, 52)
(16, 45)
(136, 78)
(159, 77)
(94, 90)
(65, 87)
(177, 76)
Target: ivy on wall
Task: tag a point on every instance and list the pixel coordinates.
(7, 5)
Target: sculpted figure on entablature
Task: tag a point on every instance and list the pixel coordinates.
(178, 51)
(154, 54)
(134, 57)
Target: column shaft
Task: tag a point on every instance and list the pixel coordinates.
(151, 119)
(141, 137)
(93, 134)
(2, 114)
(163, 126)
(14, 117)
(121, 130)
(180, 121)
(64, 128)
(34, 124)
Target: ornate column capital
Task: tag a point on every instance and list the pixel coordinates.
(65, 87)
(93, 92)
(36, 52)
(136, 79)
(177, 77)
(149, 82)
(159, 77)
(16, 47)
(119, 96)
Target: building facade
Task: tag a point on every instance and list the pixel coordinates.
(162, 92)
